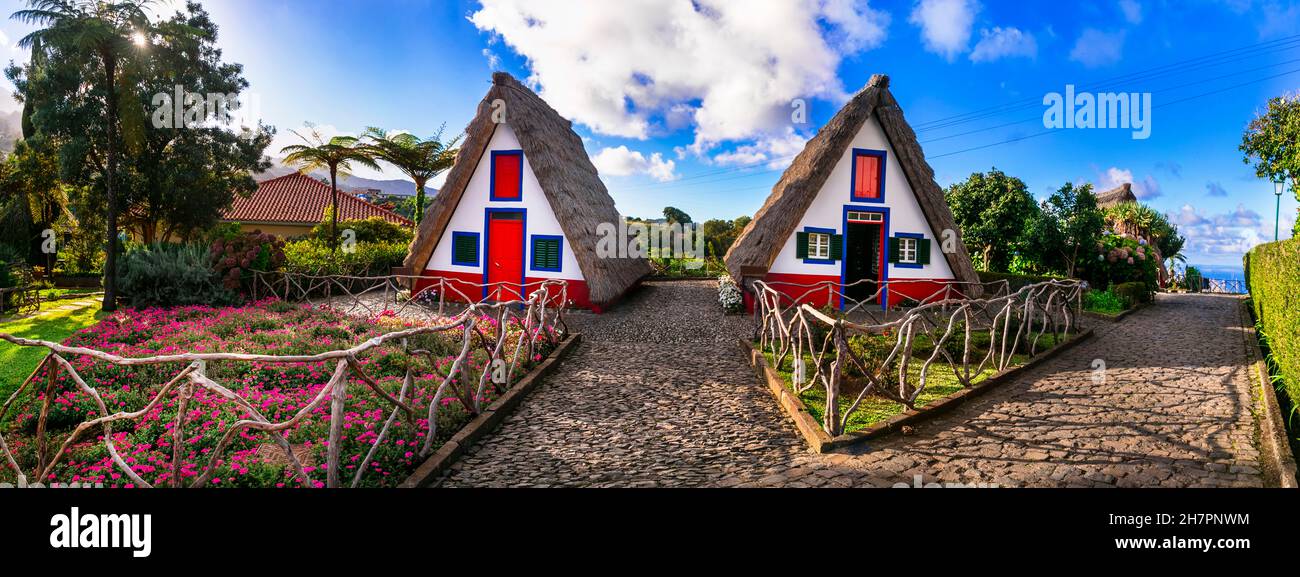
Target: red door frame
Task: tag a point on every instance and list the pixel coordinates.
(487, 242)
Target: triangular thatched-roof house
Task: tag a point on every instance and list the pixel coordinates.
(858, 205)
(523, 203)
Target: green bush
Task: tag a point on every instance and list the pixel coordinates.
(166, 275)
(1120, 260)
(366, 258)
(235, 257)
(1193, 279)
(1274, 291)
(373, 229)
(1105, 301)
(1134, 292)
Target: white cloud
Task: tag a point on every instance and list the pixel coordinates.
(1217, 235)
(623, 161)
(1095, 48)
(1132, 10)
(945, 25)
(775, 151)
(1145, 189)
(735, 66)
(1004, 43)
(493, 61)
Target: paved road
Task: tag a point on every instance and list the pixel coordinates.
(659, 395)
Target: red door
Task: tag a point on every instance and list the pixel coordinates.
(505, 256)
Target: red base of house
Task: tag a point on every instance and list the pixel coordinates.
(899, 289)
(468, 287)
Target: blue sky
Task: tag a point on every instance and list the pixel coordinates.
(689, 104)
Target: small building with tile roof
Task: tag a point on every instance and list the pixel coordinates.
(292, 204)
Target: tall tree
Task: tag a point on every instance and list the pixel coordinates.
(1272, 143)
(1068, 225)
(676, 215)
(190, 165)
(336, 155)
(104, 40)
(419, 159)
(992, 210)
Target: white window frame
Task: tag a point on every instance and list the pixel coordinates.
(863, 216)
(908, 245)
(819, 246)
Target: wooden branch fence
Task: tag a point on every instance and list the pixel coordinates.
(539, 316)
(789, 328)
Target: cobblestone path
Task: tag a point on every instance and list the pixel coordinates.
(658, 394)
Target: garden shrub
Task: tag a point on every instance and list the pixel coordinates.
(1120, 260)
(1193, 279)
(365, 259)
(1274, 282)
(1104, 301)
(1134, 292)
(166, 275)
(730, 295)
(234, 257)
(872, 350)
(373, 229)
(8, 258)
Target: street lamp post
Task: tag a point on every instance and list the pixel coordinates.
(1278, 188)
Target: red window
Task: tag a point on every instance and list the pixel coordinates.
(866, 177)
(507, 174)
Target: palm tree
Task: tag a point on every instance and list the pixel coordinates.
(420, 159)
(110, 31)
(337, 155)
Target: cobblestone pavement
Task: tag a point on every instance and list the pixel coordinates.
(658, 394)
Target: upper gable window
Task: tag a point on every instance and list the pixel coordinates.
(507, 175)
(868, 176)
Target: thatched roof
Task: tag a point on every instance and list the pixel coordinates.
(1118, 195)
(760, 242)
(567, 177)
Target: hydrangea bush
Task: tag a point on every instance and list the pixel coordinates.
(278, 390)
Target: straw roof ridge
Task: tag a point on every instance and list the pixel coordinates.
(760, 241)
(567, 177)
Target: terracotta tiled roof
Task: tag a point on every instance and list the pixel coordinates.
(299, 199)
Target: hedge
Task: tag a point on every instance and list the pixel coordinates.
(1273, 275)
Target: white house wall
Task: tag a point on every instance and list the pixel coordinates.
(468, 216)
(827, 211)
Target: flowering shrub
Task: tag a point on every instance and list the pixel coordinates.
(236, 256)
(730, 295)
(1120, 259)
(277, 390)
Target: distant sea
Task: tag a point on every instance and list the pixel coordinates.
(1221, 271)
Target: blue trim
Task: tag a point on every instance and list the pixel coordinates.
(487, 245)
(853, 171)
(884, 250)
(478, 248)
(559, 253)
(492, 176)
(916, 235)
(829, 231)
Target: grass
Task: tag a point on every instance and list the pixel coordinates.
(940, 382)
(63, 293)
(17, 363)
(1104, 302)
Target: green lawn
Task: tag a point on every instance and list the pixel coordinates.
(940, 382)
(17, 363)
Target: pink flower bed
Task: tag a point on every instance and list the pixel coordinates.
(277, 390)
